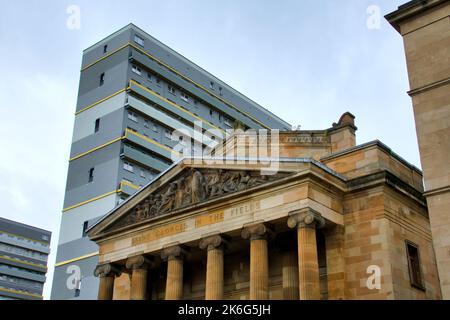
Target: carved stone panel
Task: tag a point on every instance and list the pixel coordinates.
(191, 187)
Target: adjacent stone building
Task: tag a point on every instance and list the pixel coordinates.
(274, 215)
(425, 28)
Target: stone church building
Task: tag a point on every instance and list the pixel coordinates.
(323, 219)
(299, 214)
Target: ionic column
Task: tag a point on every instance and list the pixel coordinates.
(174, 283)
(107, 273)
(306, 221)
(214, 266)
(138, 266)
(259, 260)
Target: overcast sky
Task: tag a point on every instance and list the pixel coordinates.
(307, 61)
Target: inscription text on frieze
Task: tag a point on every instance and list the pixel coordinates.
(306, 138)
(246, 208)
(160, 232)
(208, 219)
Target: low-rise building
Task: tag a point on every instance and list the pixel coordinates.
(24, 253)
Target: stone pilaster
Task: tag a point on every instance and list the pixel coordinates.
(214, 266)
(334, 243)
(174, 283)
(306, 221)
(138, 266)
(259, 260)
(107, 273)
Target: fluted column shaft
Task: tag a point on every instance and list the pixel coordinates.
(214, 266)
(308, 265)
(290, 276)
(138, 284)
(138, 265)
(306, 222)
(174, 281)
(259, 261)
(106, 288)
(259, 270)
(214, 275)
(107, 273)
(174, 284)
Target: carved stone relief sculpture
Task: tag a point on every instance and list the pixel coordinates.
(194, 186)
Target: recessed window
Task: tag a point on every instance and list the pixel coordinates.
(149, 77)
(105, 48)
(97, 125)
(167, 134)
(138, 40)
(136, 70)
(146, 123)
(143, 175)
(91, 175)
(132, 116)
(211, 85)
(220, 90)
(228, 122)
(154, 128)
(171, 89)
(210, 112)
(128, 166)
(158, 82)
(184, 97)
(415, 274)
(102, 79)
(85, 226)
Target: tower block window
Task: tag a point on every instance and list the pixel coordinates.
(136, 70)
(85, 226)
(139, 40)
(97, 125)
(128, 166)
(415, 273)
(91, 175)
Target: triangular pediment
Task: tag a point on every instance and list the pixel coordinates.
(190, 187)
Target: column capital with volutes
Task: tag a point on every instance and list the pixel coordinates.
(173, 252)
(256, 231)
(305, 218)
(215, 241)
(107, 270)
(138, 262)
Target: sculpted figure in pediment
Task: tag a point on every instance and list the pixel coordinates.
(168, 199)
